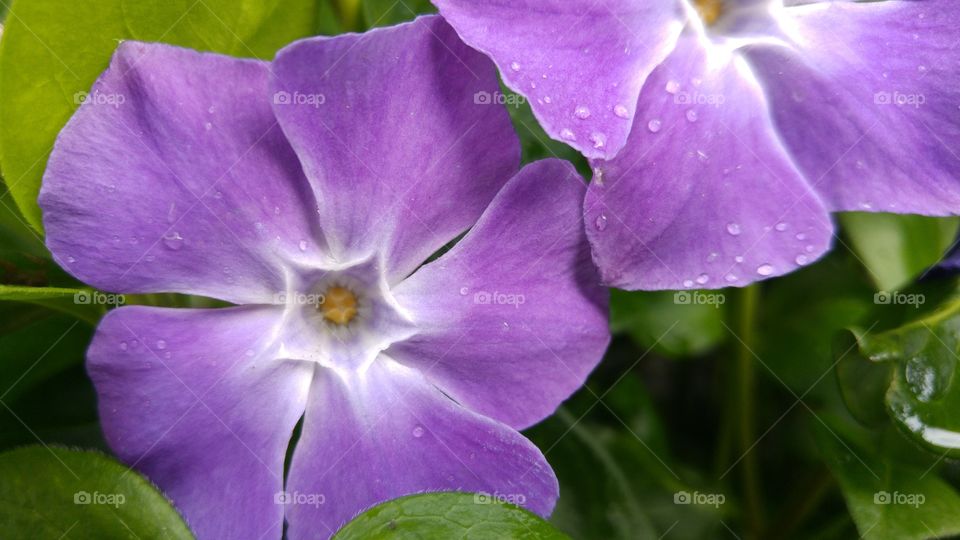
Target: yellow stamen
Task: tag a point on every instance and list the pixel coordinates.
(339, 305)
(709, 10)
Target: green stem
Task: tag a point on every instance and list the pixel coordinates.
(746, 405)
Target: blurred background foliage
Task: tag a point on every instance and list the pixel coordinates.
(798, 401)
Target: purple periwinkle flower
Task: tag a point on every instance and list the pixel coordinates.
(309, 192)
(722, 132)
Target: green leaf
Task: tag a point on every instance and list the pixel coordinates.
(923, 395)
(53, 50)
(84, 304)
(675, 324)
(886, 497)
(39, 350)
(51, 492)
(447, 515)
(896, 248)
(390, 12)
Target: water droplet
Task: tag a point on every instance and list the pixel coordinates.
(800, 236)
(601, 222)
(547, 100)
(712, 257)
(730, 278)
(672, 87)
(161, 344)
(303, 245)
(418, 431)
(702, 279)
(207, 126)
(810, 249)
(780, 227)
(692, 115)
(167, 354)
(123, 345)
(567, 134)
(765, 269)
(802, 260)
(688, 283)
(210, 110)
(701, 155)
(923, 378)
(173, 240)
(581, 112)
(621, 111)
(738, 259)
(654, 126)
(70, 259)
(733, 229)
(599, 140)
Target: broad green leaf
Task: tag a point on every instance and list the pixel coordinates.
(52, 492)
(676, 324)
(923, 392)
(85, 304)
(446, 515)
(39, 350)
(391, 12)
(53, 50)
(889, 498)
(896, 248)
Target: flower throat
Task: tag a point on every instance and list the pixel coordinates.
(709, 10)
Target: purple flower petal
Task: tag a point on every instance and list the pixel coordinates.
(513, 318)
(581, 63)
(866, 98)
(703, 195)
(395, 137)
(374, 436)
(195, 400)
(173, 176)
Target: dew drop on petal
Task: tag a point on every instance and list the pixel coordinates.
(567, 134)
(738, 259)
(621, 111)
(654, 126)
(702, 279)
(688, 283)
(733, 229)
(173, 240)
(547, 99)
(782, 226)
(418, 432)
(302, 245)
(730, 278)
(161, 344)
(515, 66)
(601, 222)
(123, 345)
(765, 269)
(581, 112)
(672, 87)
(800, 236)
(712, 257)
(801, 260)
(599, 140)
(810, 249)
(692, 115)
